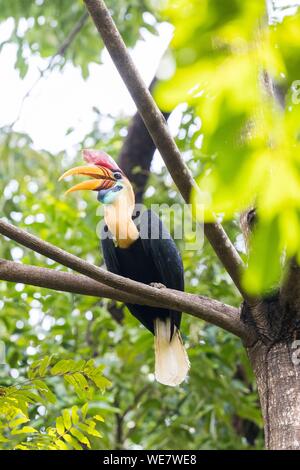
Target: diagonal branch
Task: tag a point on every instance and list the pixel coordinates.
(158, 129)
(209, 309)
(137, 153)
(201, 307)
(73, 262)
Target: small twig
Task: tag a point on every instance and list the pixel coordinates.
(60, 52)
(72, 35)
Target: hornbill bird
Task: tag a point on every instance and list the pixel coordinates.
(144, 252)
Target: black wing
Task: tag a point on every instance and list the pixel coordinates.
(165, 256)
(109, 252)
(158, 242)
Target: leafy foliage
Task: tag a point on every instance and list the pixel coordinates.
(20, 430)
(223, 53)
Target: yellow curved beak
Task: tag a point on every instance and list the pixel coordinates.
(103, 178)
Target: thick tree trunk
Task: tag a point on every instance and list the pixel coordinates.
(275, 353)
(275, 360)
(278, 382)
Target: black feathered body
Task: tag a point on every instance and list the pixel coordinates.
(153, 257)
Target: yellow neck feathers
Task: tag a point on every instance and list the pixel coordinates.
(118, 217)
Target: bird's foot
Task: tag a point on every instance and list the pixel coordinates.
(157, 285)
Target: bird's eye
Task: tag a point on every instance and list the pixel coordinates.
(117, 175)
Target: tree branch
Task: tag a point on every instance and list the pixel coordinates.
(71, 36)
(137, 152)
(60, 281)
(158, 129)
(209, 310)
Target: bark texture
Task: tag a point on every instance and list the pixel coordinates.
(278, 386)
(137, 153)
(276, 367)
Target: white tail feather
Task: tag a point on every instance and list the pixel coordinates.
(171, 360)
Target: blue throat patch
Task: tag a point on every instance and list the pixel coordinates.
(107, 196)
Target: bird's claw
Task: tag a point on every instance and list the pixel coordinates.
(157, 285)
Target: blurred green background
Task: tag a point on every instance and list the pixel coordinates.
(223, 44)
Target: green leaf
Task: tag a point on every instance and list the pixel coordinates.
(61, 445)
(84, 410)
(81, 381)
(24, 430)
(74, 414)
(62, 367)
(89, 430)
(101, 382)
(98, 418)
(45, 362)
(81, 437)
(60, 425)
(263, 271)
(16, 422)
(72, 442)
(66, 419)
